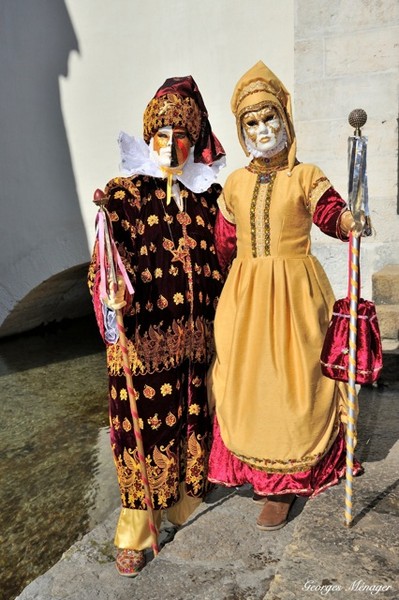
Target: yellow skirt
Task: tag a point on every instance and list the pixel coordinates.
(276, 411)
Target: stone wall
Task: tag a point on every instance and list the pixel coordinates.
(346, 57)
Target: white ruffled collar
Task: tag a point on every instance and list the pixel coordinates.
(137, 159)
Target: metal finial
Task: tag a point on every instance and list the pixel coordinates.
(357, 118)
(100, 198)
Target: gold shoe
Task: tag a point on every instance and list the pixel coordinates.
(129, 562)
(274, 513)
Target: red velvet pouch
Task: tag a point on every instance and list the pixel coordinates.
(334, 356)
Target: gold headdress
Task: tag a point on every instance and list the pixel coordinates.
(172, 110)
(178, 103)
(257, 88)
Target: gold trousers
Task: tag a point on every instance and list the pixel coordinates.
(133, 529)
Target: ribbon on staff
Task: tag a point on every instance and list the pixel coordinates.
(109, 257)
(358, 204)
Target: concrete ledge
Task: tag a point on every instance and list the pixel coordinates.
(221, 555)
(218, 554)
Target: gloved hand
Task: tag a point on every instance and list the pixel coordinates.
(116, 300)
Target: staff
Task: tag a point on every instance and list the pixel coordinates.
(110, 265)
(358, 204)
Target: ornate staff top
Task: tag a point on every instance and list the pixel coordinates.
(357, 118)
(357, 160)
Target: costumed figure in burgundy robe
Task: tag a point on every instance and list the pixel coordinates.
(163, 211)
(279, 424)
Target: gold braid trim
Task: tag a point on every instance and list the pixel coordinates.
(319, 187)
(292, 465)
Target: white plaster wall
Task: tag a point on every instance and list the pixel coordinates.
(128, 48)
(346, 57)
(76, 72)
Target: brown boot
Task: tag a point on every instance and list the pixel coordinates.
(274, 514)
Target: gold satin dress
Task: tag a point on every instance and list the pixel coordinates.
(275, 409)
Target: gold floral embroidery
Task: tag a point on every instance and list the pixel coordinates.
(157, 350)
(183, 218)
(197, 381)
(154, 421)
(170, 419)
(196, 454)
(152, 220)
(146, 276)
(119, 195)
(114, 393)
(126, 425)
(164, 476)
(194, 409)
(200, 221)
(128, 185)
(162, 302)
(158, 273)
(203, 245)
(178, 298)
(116, 423)
(148, 391)
(166, 389)
(160, 194)
(123, 394)
(129, 476)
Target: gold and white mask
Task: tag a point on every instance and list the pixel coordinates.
(264, 132)
(172, 145)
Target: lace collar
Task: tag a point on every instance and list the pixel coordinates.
(137, 158)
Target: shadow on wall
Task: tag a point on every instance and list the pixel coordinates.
(43, 239)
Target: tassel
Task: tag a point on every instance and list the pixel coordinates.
(169, 183)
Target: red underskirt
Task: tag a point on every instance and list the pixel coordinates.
(226, 469)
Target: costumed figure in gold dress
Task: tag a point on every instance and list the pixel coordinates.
(279, 423)
(163, 211)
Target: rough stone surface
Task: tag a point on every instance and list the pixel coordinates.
(386, 285)
(220, 555)
(388, 320)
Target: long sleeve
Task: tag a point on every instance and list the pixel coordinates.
(225, 241)
(328, 212)
(119, 199)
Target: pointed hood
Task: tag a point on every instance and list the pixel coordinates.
(257, 88)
